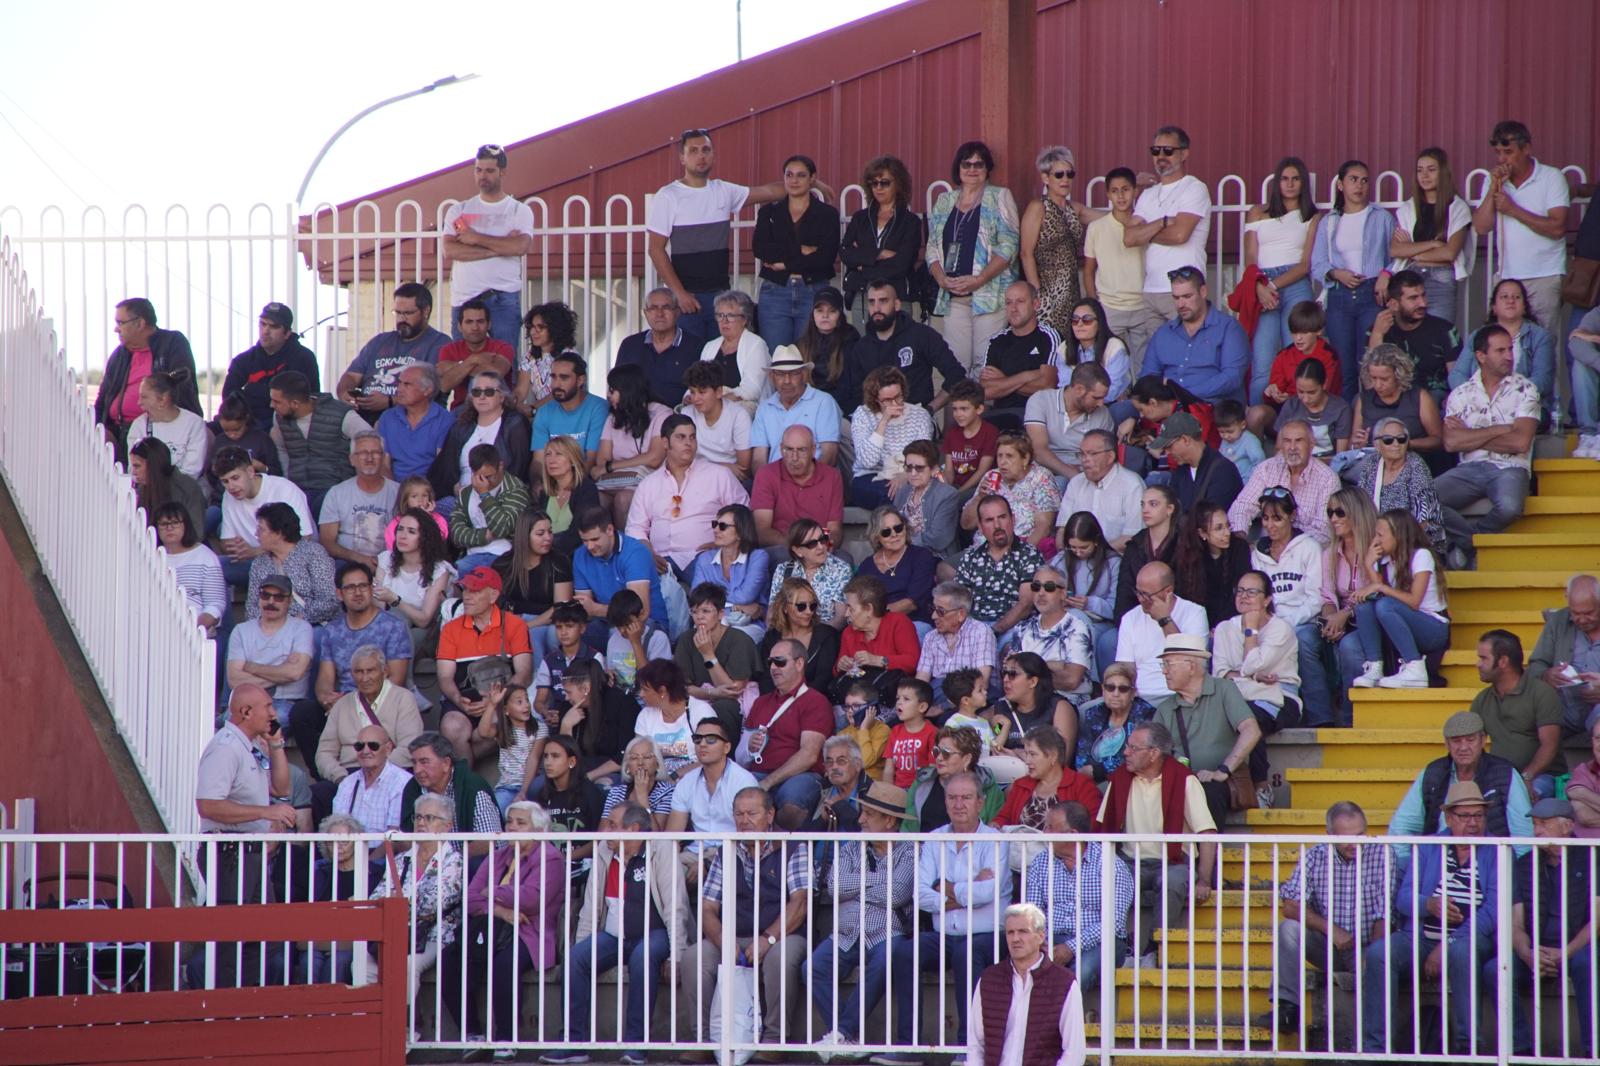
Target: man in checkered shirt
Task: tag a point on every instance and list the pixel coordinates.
(1361, 884)
(1064, 882)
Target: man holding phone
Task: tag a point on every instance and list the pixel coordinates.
(1567, 654)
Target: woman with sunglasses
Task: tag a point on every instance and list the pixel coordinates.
(1050, 781)
(1257, 651)
(793, 616)
(882, 240)
(1277, 242)
(972, 251)
(1029, 700)
(1352, 523)
(734, 563)
(1051, 238)
(1155, 543)
(880, 429)
(812, 560)
(1405, 607)
(1209, 559)
(956, 750)
(1389, 390)
(1395, 477)
(1350, 259)
(931, 508)
(1533, 350)
(1106, 723)
(906, 570)
(1093, 342)
(486, 418)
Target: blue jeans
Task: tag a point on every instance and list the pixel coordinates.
(542, 638)
(598, 954)
(505, 318)
(960, 953)
(1439, 285)
(1584, 359)
(803, 790)
(1387, 963)
(702, 323)
(1316, 694)
(505, 794)
(784, 311)
(1506, 489)
(1522, 981)
(866, 492)
(1272, 331)
(1411, 633)
(1351, 313)
(863, 999)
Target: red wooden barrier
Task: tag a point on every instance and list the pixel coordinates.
(253, 1026)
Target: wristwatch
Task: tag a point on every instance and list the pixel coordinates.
(277, 746)
(711, 664)
(1164, 622)
(772, 941)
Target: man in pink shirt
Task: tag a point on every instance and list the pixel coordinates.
(673, 506)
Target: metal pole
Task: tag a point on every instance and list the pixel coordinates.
(305, 182)
(738, 30)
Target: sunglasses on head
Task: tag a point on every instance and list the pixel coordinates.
(1391, 438)
(1059, 174)
(1277, 492)
(1185, 273)
(1503, 142)
(1046, 586)
(367, 745)
(1164, 149)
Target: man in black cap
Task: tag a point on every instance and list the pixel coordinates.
(1199, 471)
(278, 349)
(665, 350)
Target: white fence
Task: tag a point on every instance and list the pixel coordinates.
(1217, 963)
(153, 665)
(210, 275)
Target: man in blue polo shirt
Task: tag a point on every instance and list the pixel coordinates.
(794, 402)
(1203, 350)
(611, 562)
(414, 429)
(575, 413)
(664, 351)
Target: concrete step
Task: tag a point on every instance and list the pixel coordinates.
(1319, 789)
(1151, 996)
(1408, 708)
(1230, 1036)
(1567, 477)
(1563, 552)
(1546, 513)
(1204, 947)
(1368, 748)
(1466, 626)
(1522, 590)
(1302, 820)
(1460, 668)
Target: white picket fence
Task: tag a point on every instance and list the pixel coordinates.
(153, 664)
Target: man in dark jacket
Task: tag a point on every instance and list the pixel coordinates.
(893, 339)
(144, 349)
(278, 349)
(1504, 792)
(1199, 471)
(1567, 653)
(435, 769)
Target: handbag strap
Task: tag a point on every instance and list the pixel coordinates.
(1183, 734)
(366, 705)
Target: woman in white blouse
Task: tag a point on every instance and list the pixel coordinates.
(1277, 241)
(413, 577)
(880, 429)
(1432, 234)
(739, 352)
(183, 432)
(1258, 652)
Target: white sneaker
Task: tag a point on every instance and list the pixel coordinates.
(1584, 448)
(1371, 674)
(1264, 797)
(1413, 674)
(831, 1044)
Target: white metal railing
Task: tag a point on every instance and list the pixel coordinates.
(153, 664)
(1217, 962)
(210, 275)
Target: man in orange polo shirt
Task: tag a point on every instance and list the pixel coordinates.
(483, 630)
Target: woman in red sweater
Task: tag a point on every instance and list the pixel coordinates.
(875, 639)
(1049, 781)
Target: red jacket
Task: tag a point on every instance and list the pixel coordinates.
(1288, 360)
(896, 641)
(1245, 302)
(1074, 786)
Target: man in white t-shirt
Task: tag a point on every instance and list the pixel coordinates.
(722, 430)
(1170, 221)
(245, 493)
(1142, 633)
(485, 240)
(695, 214)
(1526, 209)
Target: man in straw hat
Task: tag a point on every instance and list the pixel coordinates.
(794, 401)
(1446, 909)
(1420, 812)
(1208, 717)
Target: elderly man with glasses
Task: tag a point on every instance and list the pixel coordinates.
(371, 793)
(958, 640)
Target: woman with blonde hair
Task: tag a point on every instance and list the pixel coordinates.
(792, 615)
(564, 490)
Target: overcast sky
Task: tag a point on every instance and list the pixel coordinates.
(161, 103)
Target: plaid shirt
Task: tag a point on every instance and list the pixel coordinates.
(974, 648)
(864, 907)
(797, 872)
(1070, 899)
(1310, 882)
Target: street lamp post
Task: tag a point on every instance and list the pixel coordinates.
(305, 182)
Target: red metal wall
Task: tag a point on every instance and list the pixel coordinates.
(1251, 80)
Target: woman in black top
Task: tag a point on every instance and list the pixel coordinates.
(488, 403)
(156, 481)
(600, 720)
(824, 342)
(534, 578)
(1156, 542)
(797, 241)
(884, 240)
(792, 615)
(1208, 560)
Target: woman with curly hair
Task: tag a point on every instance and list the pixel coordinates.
(552, 328)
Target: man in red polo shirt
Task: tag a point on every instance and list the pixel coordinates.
(783, 735)
(482, 630)
(796, 487)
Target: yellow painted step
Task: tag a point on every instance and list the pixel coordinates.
(1566, 552)
(1558, 514)
(1308, 819)
(1315, 788)
(1234, 993)
(1203, 945)
(1521, 590)
(1408, 708)
(1383, 748)
(1178, 1035)
(1466, 626)
(1567, 477)
(1460, 668)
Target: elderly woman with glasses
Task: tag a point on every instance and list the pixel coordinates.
(1396, 477)
(956, 749)
(972, 251)
(738, 351)
(1050, 780)
(880, 430)
(1051, 243)
(906, 569)
(429, 875)
(1105, 724)
(931, 508)
(1258, 652)
(643, 784)
(488, 417)
(811, 559)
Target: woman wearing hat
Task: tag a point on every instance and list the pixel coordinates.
(797, 241)
(880, 429)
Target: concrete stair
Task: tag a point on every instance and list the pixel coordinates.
(1466, 626)
(1228, 996)
(1564, 552)
(1528, 589)
(1203, 947)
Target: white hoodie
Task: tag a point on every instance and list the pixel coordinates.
(1296, 578)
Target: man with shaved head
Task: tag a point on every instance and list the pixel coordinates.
(1143, 632)
(371, 793)
(795, 487)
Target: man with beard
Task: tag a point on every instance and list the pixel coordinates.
(1170, 222)
(893, 339)
(574, 413)
(1431, 342)
(369, 384)
(278, 349)
(485, 238)
(475, 353)
(1201, 348)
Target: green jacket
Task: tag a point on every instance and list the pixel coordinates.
(463, 783)
(500, 513)
(994, 797)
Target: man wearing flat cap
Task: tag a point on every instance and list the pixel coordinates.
(794, 401)
(277, 349)
(1446, 909)
(1208, 717)
(1553, 919)
(1502, 787)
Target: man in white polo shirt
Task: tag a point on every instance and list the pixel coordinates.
(485, 238)
(1142, 634)
(1526, 209)
(1170, 221)
(703, 799)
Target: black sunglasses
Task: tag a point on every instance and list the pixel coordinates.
(1059, 174)
(717, 523)
(708, 738)
(1336, 512)
(881, 183)
(367, 745)
(1164, 149)
(480, 391)
(1045, 586)
(814, 541)
(1390, 438)
(1084, 320)
(777, 660)
(893, 531)
(1116, 688)
(804, 606)
(1185, 273)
